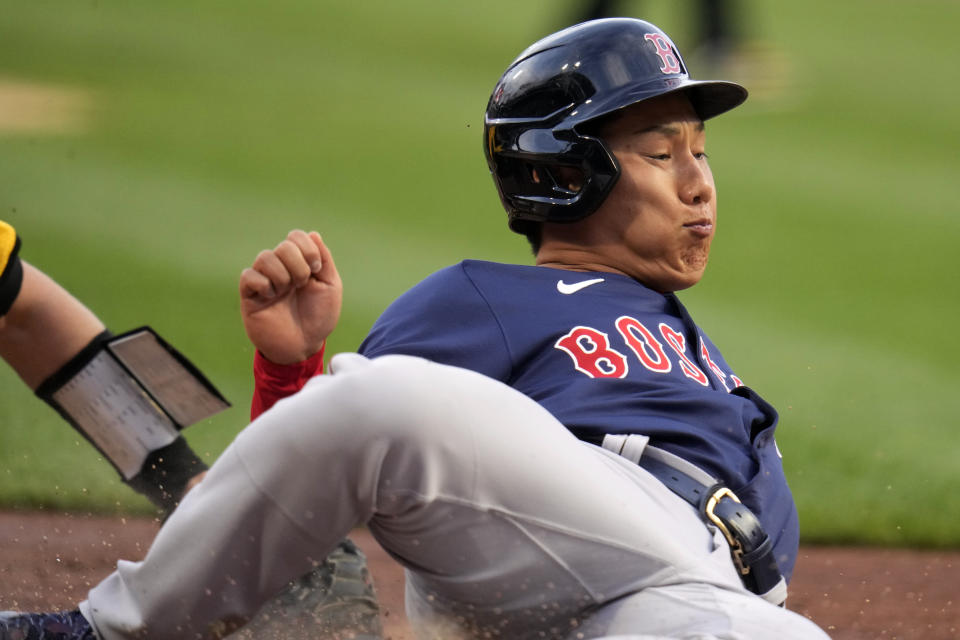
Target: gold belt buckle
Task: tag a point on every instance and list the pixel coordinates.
(736, 548)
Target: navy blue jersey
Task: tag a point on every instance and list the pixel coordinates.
(603, 354)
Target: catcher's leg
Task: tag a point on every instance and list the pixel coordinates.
(336, 600)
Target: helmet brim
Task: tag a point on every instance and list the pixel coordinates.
(712, 97)
(709, 98)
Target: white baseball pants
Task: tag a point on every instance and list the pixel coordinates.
(506, 524)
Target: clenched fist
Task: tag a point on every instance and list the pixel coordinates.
(290, 298)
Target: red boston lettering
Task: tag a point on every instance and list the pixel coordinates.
(592, 354)
(677, 342)
(705, 354)
(643, 343)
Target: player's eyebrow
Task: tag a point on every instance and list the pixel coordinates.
(668, 129)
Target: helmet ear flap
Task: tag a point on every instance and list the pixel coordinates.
(562, 180)
(549, 175)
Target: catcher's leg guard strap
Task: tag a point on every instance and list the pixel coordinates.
(166, 468)
(165, 474)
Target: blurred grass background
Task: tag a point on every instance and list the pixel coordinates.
(193, 134)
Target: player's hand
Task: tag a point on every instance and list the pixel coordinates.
(290, 298)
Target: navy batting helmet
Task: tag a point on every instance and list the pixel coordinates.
(534, 120)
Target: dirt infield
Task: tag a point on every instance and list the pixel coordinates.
(49, 560)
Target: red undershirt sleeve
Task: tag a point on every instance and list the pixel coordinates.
(273, 382)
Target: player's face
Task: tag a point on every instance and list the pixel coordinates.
(658, 221)
(663, 207)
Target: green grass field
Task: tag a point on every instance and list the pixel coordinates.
(200, 132)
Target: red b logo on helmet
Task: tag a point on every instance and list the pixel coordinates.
(671, 64)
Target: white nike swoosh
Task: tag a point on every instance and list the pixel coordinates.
(573, 287)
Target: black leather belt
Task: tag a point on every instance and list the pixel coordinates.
(750, 547)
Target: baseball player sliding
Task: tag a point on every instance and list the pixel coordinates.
(551, 451)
